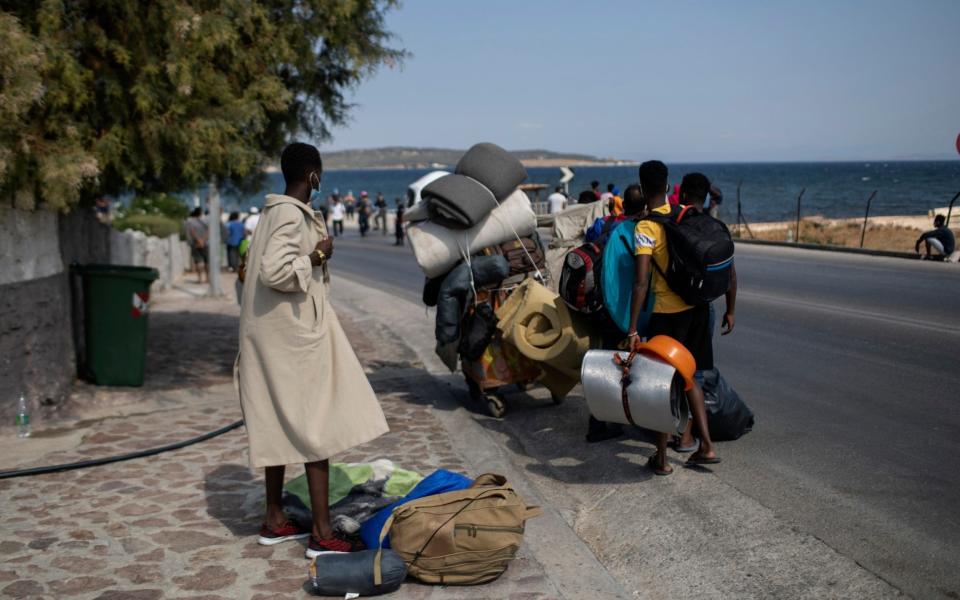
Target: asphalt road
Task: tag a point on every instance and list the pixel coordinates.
(852, 365)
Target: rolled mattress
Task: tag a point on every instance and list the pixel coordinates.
(655, 395)
(539, 324)
(437, 248)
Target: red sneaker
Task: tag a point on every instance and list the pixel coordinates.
(334, 545)
(286, 532)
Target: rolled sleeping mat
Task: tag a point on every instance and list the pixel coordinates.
(437, 248)
(655, 394)
(417, 209)
(494, 167)
(458, 201)
(541, 326)
(339, 574)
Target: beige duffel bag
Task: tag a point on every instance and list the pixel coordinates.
(459, 538)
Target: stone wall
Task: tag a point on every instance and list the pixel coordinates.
(169, 256)
(37, 306)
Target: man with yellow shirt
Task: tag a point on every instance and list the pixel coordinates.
(671, 316)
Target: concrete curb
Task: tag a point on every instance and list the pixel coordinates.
(825, 248)
(568, 561)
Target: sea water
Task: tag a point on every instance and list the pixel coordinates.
(768, 191)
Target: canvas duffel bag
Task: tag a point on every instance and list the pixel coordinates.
(465, 537)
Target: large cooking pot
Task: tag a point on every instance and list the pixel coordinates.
(654, 399)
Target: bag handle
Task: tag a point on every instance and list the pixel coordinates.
(377, 575)
(530, 512)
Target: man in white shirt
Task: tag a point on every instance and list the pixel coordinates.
(251, 222)
(557, 200)
(337, 212)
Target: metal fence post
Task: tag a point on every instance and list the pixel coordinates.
(799, 198)
(950, 208)
(863, 232)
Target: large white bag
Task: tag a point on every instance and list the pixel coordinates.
(438, 248)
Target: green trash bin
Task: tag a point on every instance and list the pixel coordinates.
(116, 301)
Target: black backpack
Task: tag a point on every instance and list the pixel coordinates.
(701, 254)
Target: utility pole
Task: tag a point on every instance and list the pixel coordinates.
(213, 240)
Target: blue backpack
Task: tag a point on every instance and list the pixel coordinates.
(619, 271)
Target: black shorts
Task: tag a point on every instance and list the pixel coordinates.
(691, 328)
(200, 255)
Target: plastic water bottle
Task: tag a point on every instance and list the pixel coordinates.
(23, 418)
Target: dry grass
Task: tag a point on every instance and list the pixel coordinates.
(878, 237)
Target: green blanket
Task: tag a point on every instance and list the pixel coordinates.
(345, 476)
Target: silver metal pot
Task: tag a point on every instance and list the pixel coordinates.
(655, 394)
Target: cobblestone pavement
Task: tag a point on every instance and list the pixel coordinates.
(183, 524)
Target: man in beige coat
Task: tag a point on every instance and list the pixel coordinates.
(304, 394)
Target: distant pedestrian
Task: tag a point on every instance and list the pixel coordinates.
(235, 235)
(674, 198)
(197, 233)
(381, 206)
(102, 208)
(557, 200)
(304, 394)
(350, 203)
(250, 224)
(337, 212)
(595, 189)
(939, 242)
(605, 197)
(615, 203)
(363, 214)
(398, 224)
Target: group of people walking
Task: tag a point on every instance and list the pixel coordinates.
(338, 210)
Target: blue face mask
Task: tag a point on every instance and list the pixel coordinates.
(314, 176)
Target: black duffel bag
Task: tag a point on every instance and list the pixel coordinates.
(728, 416)
(338, 574)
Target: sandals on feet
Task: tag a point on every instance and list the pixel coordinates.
(697, 461)
(654, 465)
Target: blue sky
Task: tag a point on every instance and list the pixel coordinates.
(680, 80)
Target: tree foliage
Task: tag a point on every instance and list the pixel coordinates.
(107, 96)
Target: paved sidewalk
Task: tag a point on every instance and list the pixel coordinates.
(182, 524)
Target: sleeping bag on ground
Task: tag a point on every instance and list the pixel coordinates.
(438, 482)
(342, 573)
(618, 274)
(494, 167)
(453, 292)
(727, 415)
(542, 327)
(438, 248)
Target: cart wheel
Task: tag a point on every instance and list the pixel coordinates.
(496, 406)
(557, 400)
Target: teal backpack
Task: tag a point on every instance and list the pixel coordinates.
(619, 270)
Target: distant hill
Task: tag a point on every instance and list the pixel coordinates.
(402, 157)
